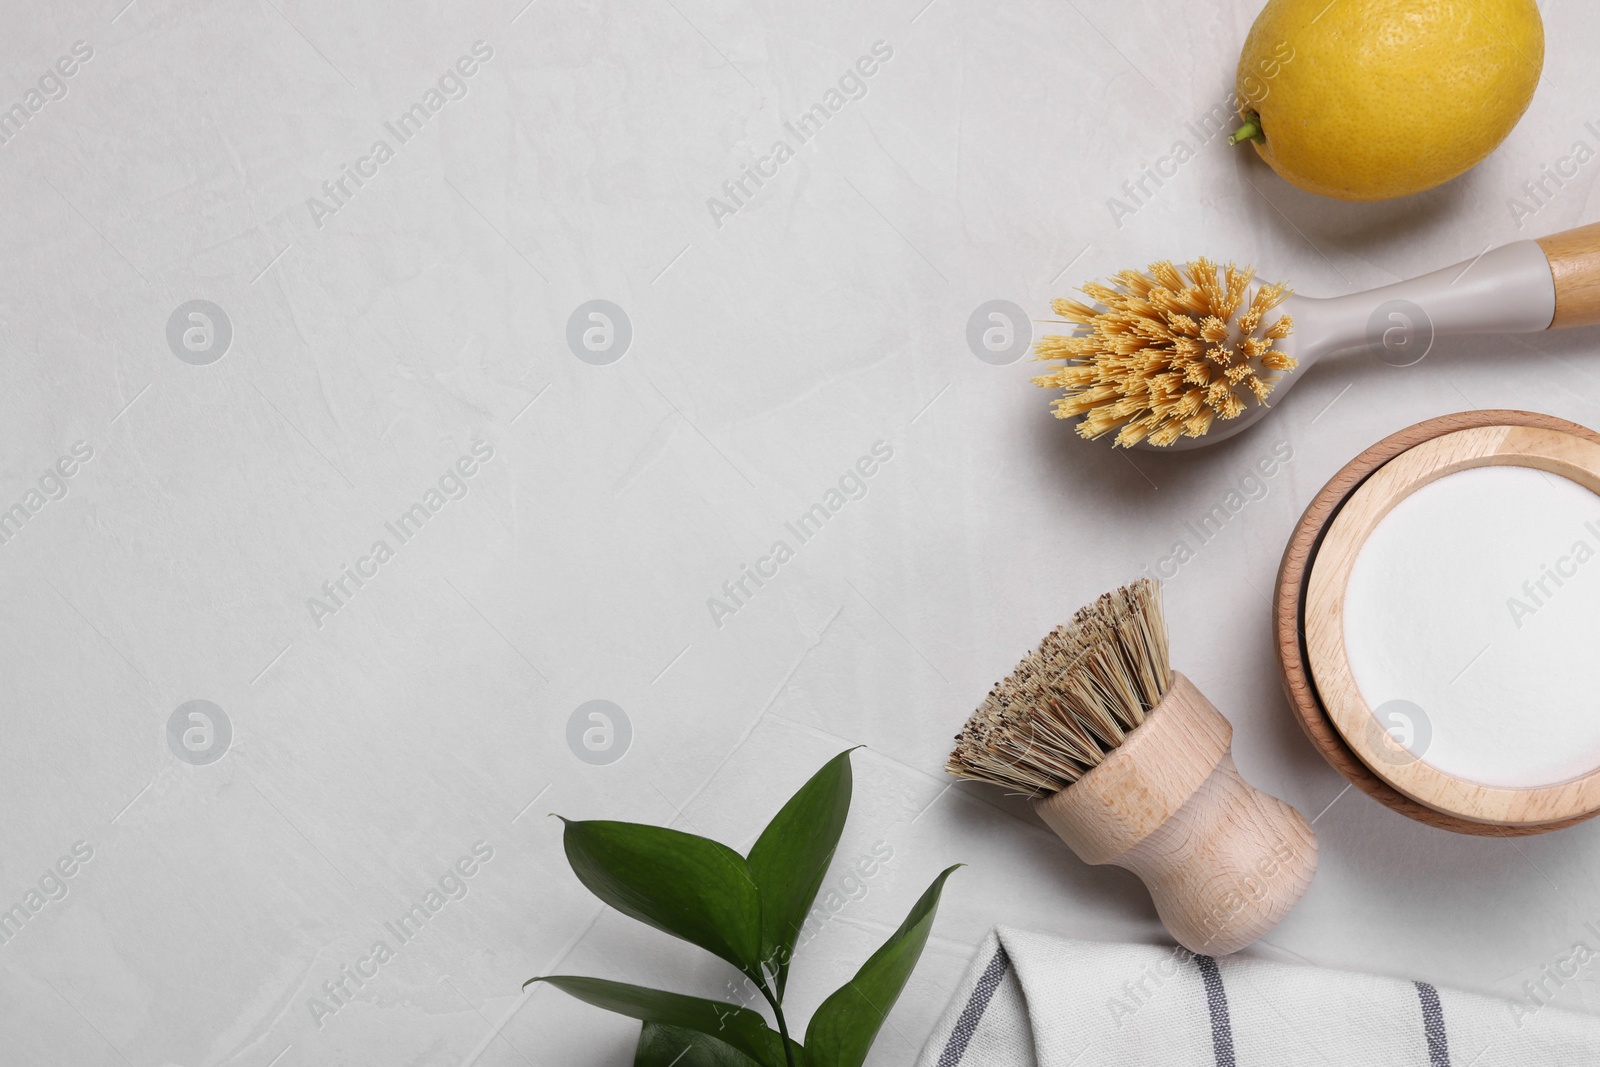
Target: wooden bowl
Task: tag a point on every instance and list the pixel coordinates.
(1448, 807)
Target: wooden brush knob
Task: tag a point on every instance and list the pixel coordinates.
(1575, 266)
(1223, 860)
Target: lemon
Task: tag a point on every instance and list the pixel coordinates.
(1372, 99)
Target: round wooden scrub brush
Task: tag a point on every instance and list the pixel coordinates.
(1184, 356)
(1129, 764)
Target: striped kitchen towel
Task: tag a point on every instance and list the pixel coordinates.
(1035, 1000)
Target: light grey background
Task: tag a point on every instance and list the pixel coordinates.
(429, 713)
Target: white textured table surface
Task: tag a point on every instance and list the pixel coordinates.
(422, 313)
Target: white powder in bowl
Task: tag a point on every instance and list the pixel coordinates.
(1472, 625)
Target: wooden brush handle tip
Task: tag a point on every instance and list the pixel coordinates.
(1575, 265)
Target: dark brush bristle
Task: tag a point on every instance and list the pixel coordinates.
(1073, 700)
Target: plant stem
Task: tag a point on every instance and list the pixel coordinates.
(783, 1032)
(1250, 131)
(783, 1026)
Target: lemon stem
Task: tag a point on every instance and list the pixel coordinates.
(1250, 131)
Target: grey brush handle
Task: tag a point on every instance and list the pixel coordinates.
(1509, 289)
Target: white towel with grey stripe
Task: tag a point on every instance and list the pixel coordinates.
(1035, 1000)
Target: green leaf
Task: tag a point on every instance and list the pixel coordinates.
(672, 1046)
(741, 1028)
(689, 886)
(844, 1028)
(790, 858)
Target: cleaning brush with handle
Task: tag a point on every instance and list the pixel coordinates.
(1129, 764)
(1185, 356)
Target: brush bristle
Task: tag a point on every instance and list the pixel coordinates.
(1157, 359)
(1073, 700)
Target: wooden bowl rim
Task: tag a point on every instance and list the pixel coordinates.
(1552, 451)
(1289, 595)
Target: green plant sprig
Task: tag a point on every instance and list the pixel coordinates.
(747, 910)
